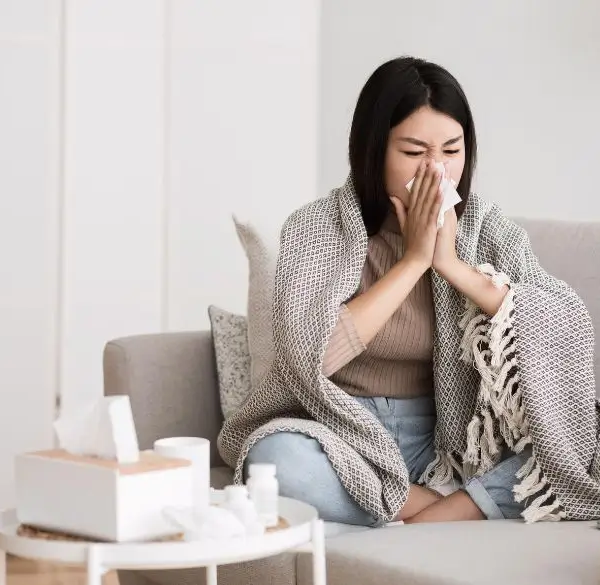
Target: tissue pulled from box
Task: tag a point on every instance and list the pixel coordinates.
(449, 193)
(104, 428)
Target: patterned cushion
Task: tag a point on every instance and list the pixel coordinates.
(261, 243)
(230, 338)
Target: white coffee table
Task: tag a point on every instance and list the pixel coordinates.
(305, 528)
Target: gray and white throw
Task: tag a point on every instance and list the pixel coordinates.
(522, 377)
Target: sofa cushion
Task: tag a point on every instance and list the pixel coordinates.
(260, 241)
(493, 552)
(569, 250)
(230, 339)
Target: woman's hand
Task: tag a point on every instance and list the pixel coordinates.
(463, 277)
(419, 222)
(444, 257)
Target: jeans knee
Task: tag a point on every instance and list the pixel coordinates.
(264, 450)
(273, 448)
(305, 473)
(289, 452)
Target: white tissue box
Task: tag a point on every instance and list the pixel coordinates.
(99, 498)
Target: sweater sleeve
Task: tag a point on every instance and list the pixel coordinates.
(344, 344)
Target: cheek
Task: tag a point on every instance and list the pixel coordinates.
(399, 170)
(457, 166)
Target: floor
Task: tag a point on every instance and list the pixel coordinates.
(22, 572)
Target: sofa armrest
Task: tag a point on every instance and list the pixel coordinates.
(171, 381)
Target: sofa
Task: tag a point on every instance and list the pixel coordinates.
(172, 384)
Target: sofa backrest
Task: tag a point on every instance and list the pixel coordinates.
(570, 251)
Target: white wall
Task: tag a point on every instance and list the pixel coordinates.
(178, 113)
(242, 138)
(113, 236)
(131, 131)
(531, 71)
(29, 219)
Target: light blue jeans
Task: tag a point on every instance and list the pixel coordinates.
(305, 473)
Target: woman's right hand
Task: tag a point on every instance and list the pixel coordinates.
(418, 223)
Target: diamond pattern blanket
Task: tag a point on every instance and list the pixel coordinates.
(522, 377)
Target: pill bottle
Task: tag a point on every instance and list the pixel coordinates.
(263, 488)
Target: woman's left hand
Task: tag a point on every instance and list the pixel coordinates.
(444, 256)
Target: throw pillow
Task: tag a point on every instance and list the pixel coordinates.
(230, 340)
(261, 244)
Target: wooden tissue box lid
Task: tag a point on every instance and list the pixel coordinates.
(149, 461)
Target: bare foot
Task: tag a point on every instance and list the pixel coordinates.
(457, 506)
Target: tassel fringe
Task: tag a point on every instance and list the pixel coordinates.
(535, 512)
(441, 470)
(489, 345)
(526, 469)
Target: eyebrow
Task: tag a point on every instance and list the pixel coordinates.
(424, 144)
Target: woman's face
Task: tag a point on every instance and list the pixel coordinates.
(425, 135)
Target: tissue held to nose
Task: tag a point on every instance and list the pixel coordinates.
(450, 194)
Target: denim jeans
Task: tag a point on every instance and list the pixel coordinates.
(305, 473)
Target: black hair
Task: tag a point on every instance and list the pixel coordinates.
(394, 91)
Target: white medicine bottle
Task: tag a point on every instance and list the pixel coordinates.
(263, 489)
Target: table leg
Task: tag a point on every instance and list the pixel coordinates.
(211, 575)
(318, 551)
(94, 566)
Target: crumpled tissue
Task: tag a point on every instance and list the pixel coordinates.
(103, 428)
(449, 192)
(212, 523)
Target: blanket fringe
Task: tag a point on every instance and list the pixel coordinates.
(489, 345)
(473, 442)
(530, 485)
(551, 512)
(441, 470)
(526, 469)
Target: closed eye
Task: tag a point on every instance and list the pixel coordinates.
(415, 153)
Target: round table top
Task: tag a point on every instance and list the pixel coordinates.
(168, 554)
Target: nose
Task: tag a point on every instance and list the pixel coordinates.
(441, 159)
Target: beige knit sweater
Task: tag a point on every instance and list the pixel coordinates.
(397, 362)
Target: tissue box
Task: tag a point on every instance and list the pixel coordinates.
(101, 499)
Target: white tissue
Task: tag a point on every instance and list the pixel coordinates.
(213, 523)
(450, 195)
(103, 429)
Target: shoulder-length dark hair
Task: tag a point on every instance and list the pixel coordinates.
(394, 91)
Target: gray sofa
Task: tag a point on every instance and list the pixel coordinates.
(172, 384)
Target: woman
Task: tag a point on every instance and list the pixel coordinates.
(408, 355)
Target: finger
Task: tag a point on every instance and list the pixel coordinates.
(435, 209)
(429, 184)
(423, 187)
(416, 186)
(433, 205)
(434, 190)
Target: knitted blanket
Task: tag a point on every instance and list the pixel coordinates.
(522, 377)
